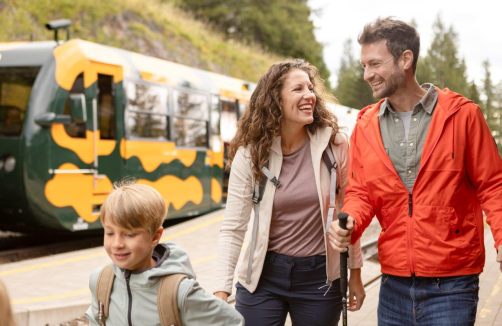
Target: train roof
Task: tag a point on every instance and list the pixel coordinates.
(75, 54)
(22, 54)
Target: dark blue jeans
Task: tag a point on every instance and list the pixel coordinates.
(430, 301)
(289, 284)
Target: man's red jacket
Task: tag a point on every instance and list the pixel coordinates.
(437, 230)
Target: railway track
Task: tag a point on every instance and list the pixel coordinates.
(21, 247)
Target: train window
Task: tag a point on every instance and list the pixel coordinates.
(106, 107)
(15, 89)
(190, 133)
(191, 105)
(147, 98)
(228, 120)
(144, 125)
(76, 129)
(147, 112)
(215, 115)
(191, 119)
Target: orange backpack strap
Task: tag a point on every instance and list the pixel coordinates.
(103, 291)
(167, 299)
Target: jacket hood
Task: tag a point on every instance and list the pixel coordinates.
(450, 101)
(172, 259)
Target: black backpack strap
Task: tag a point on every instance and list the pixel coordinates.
(331, 166)
(334, 189)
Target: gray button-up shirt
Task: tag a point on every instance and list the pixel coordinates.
(405, 153)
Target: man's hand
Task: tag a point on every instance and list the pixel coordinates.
(356, 290)
(340, 238)
(499, 257)
(222, 295)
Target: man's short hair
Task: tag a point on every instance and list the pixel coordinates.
(134, 206)
(399, 35)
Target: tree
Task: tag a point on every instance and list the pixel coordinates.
(280, 26)
(442, 65)
(352, 90)
(473, 93)
(492, 105)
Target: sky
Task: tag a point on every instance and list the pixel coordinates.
(477, 24)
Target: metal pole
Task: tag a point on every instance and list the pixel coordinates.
(342, 220)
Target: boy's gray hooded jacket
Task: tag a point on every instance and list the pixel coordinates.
(139, 308)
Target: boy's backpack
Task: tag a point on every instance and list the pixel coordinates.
(259, 190)
(167, 296)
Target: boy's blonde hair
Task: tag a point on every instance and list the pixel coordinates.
(6, 316)
(134, 206)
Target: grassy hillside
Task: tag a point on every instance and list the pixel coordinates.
(152, 27)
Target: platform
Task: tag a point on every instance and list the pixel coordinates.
(54, 289)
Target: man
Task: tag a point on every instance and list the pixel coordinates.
(425, 163)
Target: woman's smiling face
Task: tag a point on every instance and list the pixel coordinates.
(298, 99)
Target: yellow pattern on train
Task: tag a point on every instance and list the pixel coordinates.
(176, 191)
(153, 154)
(80, 194)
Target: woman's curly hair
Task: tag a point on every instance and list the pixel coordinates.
(262, 121)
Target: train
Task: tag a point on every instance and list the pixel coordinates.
(77, 116)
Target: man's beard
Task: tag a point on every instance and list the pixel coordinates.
(392, 83)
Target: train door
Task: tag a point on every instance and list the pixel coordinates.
(106, 139)
(228, 126)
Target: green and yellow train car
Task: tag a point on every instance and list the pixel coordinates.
(77, 116)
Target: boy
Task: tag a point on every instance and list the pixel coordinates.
(132, 217)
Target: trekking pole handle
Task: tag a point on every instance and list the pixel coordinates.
(342, 220)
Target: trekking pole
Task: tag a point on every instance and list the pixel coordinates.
(342, 220)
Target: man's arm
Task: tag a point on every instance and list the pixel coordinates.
(357, 203)
(484, 168)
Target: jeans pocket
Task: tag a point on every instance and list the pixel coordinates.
(458, 284)
(384, 278)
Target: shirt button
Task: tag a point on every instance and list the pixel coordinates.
(401, 144)
(396, 120)
(414, 119)
(411, 144)
(409, 171)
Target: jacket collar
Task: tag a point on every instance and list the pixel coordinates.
(319, 139)
(447, 105)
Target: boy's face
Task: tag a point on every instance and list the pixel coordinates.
(130, 249)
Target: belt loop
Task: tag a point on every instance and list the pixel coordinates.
(313, 262)
(272, 256)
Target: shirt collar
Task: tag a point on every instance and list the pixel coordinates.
(428, 102)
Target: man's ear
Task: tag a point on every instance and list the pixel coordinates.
(157, 235)
(407, 59)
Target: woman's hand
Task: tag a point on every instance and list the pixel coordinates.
(222, 295)
(356, 290)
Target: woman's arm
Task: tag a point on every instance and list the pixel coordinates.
(234, 226)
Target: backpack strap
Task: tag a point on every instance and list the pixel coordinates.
(332, 166)
(167, 299)
(259, 190)
(103, 291)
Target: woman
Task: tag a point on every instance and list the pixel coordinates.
(292, 268)
(6, 315)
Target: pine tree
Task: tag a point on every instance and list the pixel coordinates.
(442, 65)
(473, 93)
(491, 106)
(352, 90)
